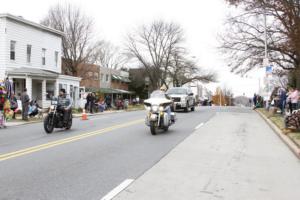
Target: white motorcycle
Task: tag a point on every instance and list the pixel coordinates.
(159, 114)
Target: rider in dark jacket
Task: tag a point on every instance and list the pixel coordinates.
(66, 104)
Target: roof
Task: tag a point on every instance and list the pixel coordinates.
(32, 72)
(71, 78)
(30, 23)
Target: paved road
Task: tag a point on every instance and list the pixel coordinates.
(234, 156)
(88, 161)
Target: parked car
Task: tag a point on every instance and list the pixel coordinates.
(183, 98)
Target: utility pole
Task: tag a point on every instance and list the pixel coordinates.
(266, 59)
(220, 97)
(266, 44)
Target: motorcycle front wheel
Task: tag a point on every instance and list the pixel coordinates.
(48, 126)
(152, 128)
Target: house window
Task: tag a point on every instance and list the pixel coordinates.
(90, 74)
(56, 58)
(101, 77)
(71, 91)
(107, 77)
(43, 56)
(28, 53)
(50, 88)
(96, 76)
(13, 50)
(62, 86)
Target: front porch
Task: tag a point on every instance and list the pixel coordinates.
(38, 88)
(43, 85)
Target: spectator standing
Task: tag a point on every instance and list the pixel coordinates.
(282, 99)
(108, 101)
(293, 98)
(88, 101)
(8, 87)
(13, 104)
(92, 102)
(25, 105)
(255, 100)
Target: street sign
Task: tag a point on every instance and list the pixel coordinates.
(269, 69)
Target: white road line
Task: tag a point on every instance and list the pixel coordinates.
(118, 189)
(197, 127)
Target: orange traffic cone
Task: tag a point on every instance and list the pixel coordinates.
(84, 115)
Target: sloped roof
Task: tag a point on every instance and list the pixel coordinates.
(32, 72)
(30, 23)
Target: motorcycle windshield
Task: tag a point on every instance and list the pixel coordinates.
(157, 98)
(158, 94)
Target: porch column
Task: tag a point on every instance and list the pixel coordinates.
(44, 92)
(56, 88)
(29, 86)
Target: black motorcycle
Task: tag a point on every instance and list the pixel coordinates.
(55, 118)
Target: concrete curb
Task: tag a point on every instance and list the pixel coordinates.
(78, 116)
(292, 146)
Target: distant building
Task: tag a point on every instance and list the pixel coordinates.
(115, 83)
(90, 76)
(30, 56)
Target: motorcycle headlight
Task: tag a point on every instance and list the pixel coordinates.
(154, 108)
(52, 107)
(148, 108)
(161, 108)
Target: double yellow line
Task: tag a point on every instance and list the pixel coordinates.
(64, 141)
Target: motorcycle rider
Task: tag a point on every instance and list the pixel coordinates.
(66, 104)
(168, 109)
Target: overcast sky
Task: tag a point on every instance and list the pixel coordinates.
(201, 20)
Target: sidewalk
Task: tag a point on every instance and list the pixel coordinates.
(234, 156)
(289, 137)
(19, 122)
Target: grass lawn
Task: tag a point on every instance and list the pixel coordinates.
(278, 120)
(136, 107)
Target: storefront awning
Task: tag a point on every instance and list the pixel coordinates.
(114, 91)
(108, 91)
(124, 91)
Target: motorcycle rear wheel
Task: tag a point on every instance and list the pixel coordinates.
(166, 128)
(69, 125)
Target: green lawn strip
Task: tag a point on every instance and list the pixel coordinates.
(135, 107)
(295, 137)
(278, 120)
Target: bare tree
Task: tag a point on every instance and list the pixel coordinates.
(183, 70)
(158, 47)
(78, 44)
(152, 46)
(243, 41)
(110, 56)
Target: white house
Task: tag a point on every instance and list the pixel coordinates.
(30, 56)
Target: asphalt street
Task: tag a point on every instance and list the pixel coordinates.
(88, 161)
(234, 156)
